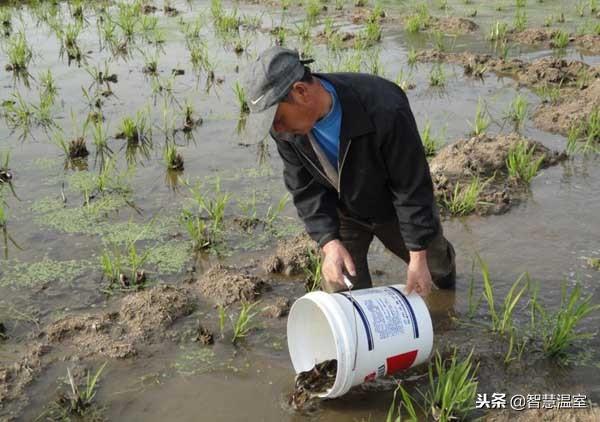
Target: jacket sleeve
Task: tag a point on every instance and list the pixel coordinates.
(409, 180)
(315, 203)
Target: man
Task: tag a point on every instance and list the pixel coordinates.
(355, 166)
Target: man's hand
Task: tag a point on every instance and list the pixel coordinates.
(418, 277)
(336, 259)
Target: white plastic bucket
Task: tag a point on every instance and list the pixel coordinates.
(370, 332)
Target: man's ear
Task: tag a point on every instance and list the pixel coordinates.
(300, 92)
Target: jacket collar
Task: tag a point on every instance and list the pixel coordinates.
(355, 120)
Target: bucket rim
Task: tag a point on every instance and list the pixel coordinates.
(344, 347)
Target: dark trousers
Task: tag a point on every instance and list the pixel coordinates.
(357, 235)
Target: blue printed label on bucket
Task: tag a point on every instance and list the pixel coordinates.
(390, 314)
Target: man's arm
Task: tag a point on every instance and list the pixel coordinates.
(410, 181)
(412, 191)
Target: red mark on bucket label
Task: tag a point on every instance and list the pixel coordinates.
(370, 377)
(400, 362)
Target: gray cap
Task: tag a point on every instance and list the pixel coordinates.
(268, 79)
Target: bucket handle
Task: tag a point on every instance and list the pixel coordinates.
(349, 285)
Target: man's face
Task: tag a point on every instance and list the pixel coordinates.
(298, 114)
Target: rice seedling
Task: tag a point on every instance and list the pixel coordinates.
(128, 19)
(593, 5)
(411, 57)
(452, 387)
(442, 4)
(502, 319)
(594, 263)
(404, 81)
(360, 3)
(372, 31)
(439, 41)
(557, 329)
(135, 130)
(573, 138)
(112, 267)
(3, 216)
(417, 22)
(498, 31)
(477, 70)
(549, 93)
(437, 77)
(472, 13)
(79, 401)
(520, 21)
(464, 199)
(48, 85)
(339, 4)
(243, 324)
(313, 271)
(227, 22)
(173, 159)
(580, 8)
(313, 10)
(199, 56)
(521, 162)
(406, 402)
(273, 212)
(18, 113)
(280, 35)
(68, 36)
(482, 119)
(520, 3)
(430, 143)
(240, 95)
(548, 20)
(560, 39)
(5, 173)
(18, 53)
(517, 111)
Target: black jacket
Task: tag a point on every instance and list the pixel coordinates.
(383, 171)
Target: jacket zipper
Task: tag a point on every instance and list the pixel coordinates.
(340, 167)
(317, 168)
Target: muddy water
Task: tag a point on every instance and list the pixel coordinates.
(549, 235)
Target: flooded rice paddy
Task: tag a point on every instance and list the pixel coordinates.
(132, 256)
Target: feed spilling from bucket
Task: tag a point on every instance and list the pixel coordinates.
(337, 341)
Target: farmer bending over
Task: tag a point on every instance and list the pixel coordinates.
(355, 166)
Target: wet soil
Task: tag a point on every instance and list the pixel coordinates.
(312, 382)
(291, 256)
(571, 109)
(543, 37)
(226, 285)
(484, 156)
(540, 72)
(279, 308)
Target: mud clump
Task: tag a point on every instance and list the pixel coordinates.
(278, 309)
(572, 109)
(227, 285)
(15, 377)
(484, 157)
(531, 35)
(313, 382)
(204, 336)
(150, 311)
(142, 315)
(292, 256)
(452, 24)
(546, 71)
(589, 43)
